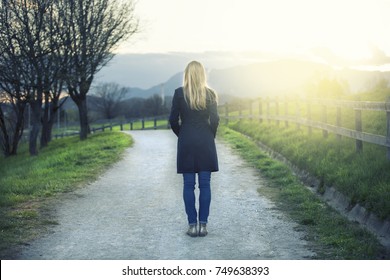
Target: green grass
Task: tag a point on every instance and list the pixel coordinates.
(363, 177)
(331, 235)
(63, 166)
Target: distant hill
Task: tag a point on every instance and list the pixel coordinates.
(168, 87)
(279, 76)
(265, 78)
(286, 76)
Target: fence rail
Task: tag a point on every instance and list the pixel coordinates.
(283, 110)
(133, 124)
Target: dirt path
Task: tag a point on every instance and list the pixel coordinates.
(135, 211)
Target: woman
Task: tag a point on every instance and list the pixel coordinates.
(194, 119)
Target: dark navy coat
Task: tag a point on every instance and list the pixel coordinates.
(196, 131)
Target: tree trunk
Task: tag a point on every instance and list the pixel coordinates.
(48, 118)
(83, 115)
(45, 123)
(53, 111)
(34, 139)
(10, 136)
(19, 127)
(36, 112)
(4, 140)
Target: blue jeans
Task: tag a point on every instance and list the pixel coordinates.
(204, 196)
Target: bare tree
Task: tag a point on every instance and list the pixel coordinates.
(94, 29)
(54, 72)
(31, 37)
(45, 44)
(10, 131)
(4, 139)
(27, 45)
(133, 108)
(154, 106)
(15, 82)
(110, 96)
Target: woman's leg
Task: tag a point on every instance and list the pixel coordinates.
(204, 196)
(189, 197)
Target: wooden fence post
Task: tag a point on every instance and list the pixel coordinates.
(298, 113)
(121, 126)
(267, 101)
(131, 125)
(260, 110)
(155, 123)
(250, 110)
(226, 113)
(388, 127)
(286, 112)
(309, 128)
(143, 123)
(338, 120)
(358, 127)
(277, 110)
(324, 120)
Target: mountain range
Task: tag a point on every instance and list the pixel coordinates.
(249, 80)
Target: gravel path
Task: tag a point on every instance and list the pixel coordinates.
(135, 211)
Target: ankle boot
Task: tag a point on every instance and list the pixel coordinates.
(202, 230)
(192, 231)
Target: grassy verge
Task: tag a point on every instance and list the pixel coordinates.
(363, 177)
(26, 182)
(332, 236)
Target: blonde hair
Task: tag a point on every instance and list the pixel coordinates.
(195, 86)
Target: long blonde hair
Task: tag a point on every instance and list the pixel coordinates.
(195, 86)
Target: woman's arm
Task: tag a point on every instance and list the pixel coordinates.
(175, 114)
(214, 118)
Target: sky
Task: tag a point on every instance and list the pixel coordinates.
(338, 30)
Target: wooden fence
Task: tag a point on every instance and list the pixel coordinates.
(134, 124)
(300, 112)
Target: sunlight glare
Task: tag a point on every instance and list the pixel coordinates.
(347, 28)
